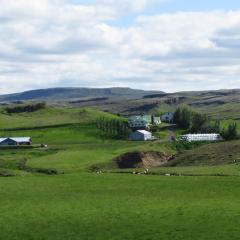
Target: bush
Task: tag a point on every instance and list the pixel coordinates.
(26, 108)
(231, 132)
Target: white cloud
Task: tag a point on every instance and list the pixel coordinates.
(126, 6)
(51, 43)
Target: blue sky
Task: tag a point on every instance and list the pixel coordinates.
(169, 45)
(184, 5)
(171, 6)
(195, 5)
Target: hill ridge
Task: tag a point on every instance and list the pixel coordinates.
(76, 93)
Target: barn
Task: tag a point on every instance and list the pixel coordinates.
(201, 137)
(140, 135)
(15, 141)
(7, 142)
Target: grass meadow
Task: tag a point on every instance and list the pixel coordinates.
(90, 206)
(80, 204)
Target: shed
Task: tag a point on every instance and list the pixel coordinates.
(140, 135)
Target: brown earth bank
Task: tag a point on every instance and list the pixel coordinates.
(142, 159)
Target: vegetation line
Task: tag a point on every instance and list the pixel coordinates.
(40, 127)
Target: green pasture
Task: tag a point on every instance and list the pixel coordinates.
(80, 204)
(49, 117)
(91, 206)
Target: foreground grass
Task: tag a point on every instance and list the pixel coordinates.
(89, 206)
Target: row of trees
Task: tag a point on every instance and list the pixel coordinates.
(115, 128)
(195, 122)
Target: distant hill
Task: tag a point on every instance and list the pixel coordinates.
(221, 104)
(78, 93)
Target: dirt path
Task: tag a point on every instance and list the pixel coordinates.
(171, 134)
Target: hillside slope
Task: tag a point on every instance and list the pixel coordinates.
(222, 104)
(209, 155)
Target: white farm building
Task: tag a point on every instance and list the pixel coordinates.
(201, 137)
(140, 135)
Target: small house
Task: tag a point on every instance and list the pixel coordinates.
(143, 122)
(137, 122)
(140, 135)
(167, 117)
(157, 120)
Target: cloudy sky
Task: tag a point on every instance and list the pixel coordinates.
(168, 45)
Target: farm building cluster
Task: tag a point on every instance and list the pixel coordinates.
(141, 125)
(144, 121)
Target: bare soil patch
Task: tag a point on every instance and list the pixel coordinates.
(142, 159)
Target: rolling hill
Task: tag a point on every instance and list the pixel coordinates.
(77, 93)
(222, 104)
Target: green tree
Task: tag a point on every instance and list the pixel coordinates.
(186, 118)
(198, 122)
(177, 116)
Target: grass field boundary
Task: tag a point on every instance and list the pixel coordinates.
(45, 127)
(169, 174)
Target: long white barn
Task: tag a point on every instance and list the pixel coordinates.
(201, 137)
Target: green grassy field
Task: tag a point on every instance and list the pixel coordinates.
(89, 206)
(49, 117)
(80, 204)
